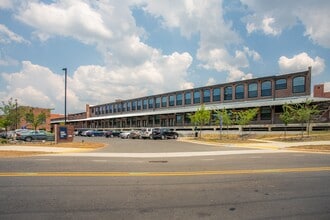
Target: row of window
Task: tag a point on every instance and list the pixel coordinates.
(198, 96)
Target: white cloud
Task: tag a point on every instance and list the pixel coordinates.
(7, 36)
(210, 81)
(327, 87)
(272, 17)
(301, 62)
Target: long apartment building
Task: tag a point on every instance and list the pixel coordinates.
(172, 109)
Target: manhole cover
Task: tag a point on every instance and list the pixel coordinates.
(158, 161)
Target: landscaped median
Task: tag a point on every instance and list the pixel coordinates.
(316, 142)
(40, 148)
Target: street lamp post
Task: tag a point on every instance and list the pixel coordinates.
(16, 115)
(65, 85)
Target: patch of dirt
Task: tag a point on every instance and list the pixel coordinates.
(10, 154)
(313, 148)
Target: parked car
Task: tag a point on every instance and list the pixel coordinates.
(125, 134)
(110, 134)
(135, 135)
(146, 133)
(94, 133)
(164, 133)
(35, 135)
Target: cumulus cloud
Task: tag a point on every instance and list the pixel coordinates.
(272, 17)
(301, 62)
(327, 87)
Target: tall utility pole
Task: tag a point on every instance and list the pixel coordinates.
(65, 85)
(16, 114)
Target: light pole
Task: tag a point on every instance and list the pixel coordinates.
(65, 85)
(16, 116)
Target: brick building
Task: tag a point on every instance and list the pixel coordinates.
(172, 109)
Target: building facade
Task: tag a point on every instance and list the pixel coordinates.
(173, 109)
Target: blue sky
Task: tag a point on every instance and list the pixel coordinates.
(126, 49)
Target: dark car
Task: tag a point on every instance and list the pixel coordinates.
(110, 134)
(94, 133)
(164, 133)
(35, 135)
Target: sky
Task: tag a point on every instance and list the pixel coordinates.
(132, 48)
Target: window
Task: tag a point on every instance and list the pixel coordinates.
(119, 107)
(216, 94)
(266, 88)
(298, 84)
(139, 104)
(110, 108)
(239, 91)
(171, 101)
(124, 106)
(179, 99)
(280, 84)
(145, 103)
(157, 102)
(206, 95)
(187, 98)
(134, 103)
(197, 97)
(164, 101)
(228, 93)
(253, 90)
(151, 103)
(128, 106)
(114, 108)
(265, 113)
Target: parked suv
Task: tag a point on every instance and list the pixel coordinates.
(146, 133)
(164, 133)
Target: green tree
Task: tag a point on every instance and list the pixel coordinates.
(244, 117)
(35, 120)
(287, 116)
(303, 113)
(225, 116)
(200, 118)
(9, 114)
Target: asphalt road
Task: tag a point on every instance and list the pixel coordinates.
(250, 184)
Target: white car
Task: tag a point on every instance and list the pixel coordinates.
(124, 134)
(146, 133)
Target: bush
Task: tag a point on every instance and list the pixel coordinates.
(3, 141)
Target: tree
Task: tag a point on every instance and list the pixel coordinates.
(225, 116)
(9, 114)
(35, 120)
(304, 113)
(287, 116)
(200, 118)
(244, 117)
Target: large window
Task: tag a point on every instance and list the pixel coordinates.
(197, 97)
(157, 102)
(253, 90)
(206, 95)
(151, 103)
(139, 104)
(266, 88)
(179, 99)
(298, 84)
(134, 103)
(216, 94)
(228, 93)
(187, 98)
(280, 84)
(265, 113)
(128, 106)
(239, 91)
(171, 100)
(124, 107)
(164, 101)
(145, 103)
(110, 108)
